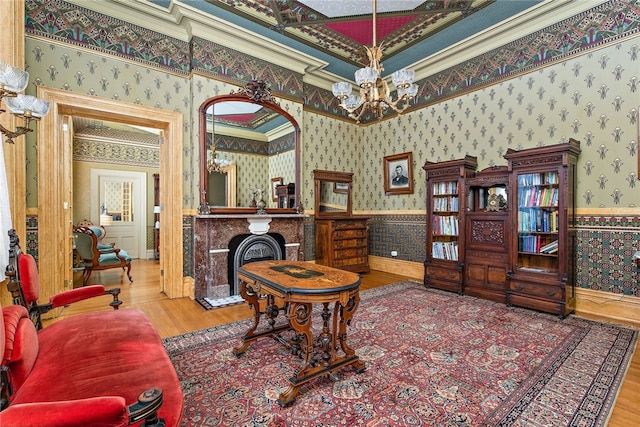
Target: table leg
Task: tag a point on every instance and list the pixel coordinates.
(251, 293)
(346, 314)
(327, 361)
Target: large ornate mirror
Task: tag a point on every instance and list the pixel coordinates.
(251, 134)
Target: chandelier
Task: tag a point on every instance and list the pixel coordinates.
(374, 90)
(214, 164)
(14, 80)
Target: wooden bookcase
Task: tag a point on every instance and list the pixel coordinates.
(542, 255)
(445, 222)
(487, 234)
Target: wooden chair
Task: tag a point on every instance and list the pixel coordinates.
(100, 233)
(94, 258)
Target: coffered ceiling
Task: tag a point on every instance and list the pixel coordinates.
(335, 31)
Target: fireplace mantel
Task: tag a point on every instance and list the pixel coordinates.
(212, 234)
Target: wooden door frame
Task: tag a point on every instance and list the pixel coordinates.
(55, 188)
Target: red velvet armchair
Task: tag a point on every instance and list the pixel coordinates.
(26, 291)
(105, 368)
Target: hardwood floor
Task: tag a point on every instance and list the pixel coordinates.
(178, 316)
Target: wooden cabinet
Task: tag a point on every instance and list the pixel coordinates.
(342, 240)
(445, 222)
(487, 235)
(542, 259)
(343, 243)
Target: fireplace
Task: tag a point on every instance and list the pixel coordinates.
(258, 236)
(246, 248)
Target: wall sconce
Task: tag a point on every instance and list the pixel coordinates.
(12, 81)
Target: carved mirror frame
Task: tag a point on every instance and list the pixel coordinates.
(254, 92)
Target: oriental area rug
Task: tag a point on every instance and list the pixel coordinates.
(432, 359)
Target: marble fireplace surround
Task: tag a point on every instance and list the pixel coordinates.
(212, 234)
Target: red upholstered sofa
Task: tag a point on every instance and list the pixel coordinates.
(107, 368)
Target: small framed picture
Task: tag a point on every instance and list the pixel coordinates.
(398, 174)
(274, 183)
(340, 187)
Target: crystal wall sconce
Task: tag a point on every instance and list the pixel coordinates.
(14, 80)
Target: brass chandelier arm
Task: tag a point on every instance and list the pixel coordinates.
(20, 130)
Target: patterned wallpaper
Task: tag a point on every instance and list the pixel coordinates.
(591, 96)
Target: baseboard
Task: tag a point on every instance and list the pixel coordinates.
(608, 306)
(414, 270)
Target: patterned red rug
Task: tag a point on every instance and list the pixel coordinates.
(433, 359)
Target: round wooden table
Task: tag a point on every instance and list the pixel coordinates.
(293, 287)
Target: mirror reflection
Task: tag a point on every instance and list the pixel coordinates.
(333, 197)
(257, 138)
(332, 193)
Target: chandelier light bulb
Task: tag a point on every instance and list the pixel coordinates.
(341, 89)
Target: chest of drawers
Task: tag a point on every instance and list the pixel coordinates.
(343, 243)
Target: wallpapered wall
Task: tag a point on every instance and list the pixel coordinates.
(592, 98)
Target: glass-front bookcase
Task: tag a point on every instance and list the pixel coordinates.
(542, 274)
(538, 221)
(445, 222)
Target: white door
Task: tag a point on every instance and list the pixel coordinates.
(119, 204)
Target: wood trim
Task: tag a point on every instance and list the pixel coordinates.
(12, 52)
(608, 306)
(54, 224)
(411, 269)
(607, 211)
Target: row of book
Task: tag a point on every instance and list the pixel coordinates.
(445, 187)
(538, 196)
(537, 178)
(445, 225)
(537, 245)
(445, 250)
(445, 204)
(531, 219)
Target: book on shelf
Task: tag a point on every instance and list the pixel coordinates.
(550, 248)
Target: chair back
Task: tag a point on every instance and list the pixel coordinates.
(98, 230)
(29, 278)
(86, 245)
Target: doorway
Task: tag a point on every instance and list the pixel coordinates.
(120, 196)
(55, 166)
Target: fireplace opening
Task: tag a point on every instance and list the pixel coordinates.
(246, 248)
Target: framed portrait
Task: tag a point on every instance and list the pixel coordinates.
(398, 174)
(340, 187)
(274, 183)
